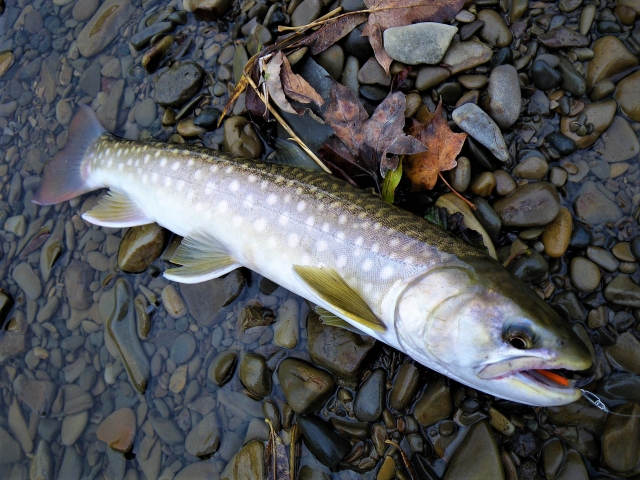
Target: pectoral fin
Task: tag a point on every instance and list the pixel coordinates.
(332, 320)
(116, 209)
(327, 284)
(202, 258)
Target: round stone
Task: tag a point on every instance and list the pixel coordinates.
(146, 112)
(503, 96)
(611, 57)
(418, 43)
(183, 348)
(173, 303)
(255, 375)
(140, 247)
(531, 168)
(557, 234)
(483, 184)
(531, 205)
(585, 275)
(305, 387)
(177, 85)
(460, 176)
(495, 31)
(118, 430)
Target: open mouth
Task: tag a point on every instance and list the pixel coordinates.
(558, 378)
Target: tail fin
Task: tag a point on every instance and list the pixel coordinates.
(64, 177)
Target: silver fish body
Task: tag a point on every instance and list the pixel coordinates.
(383, 270)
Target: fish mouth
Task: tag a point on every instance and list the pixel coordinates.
(538, 374)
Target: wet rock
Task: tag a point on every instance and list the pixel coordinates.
(435, 404)
(623, 291)
(208, 10)
(183, 348)
(479, 443)
(11, 451)
(530, 205)
(287, 328)
(118, 430)
(531, 168)
(544, 76)
(11, 344)
(552, 456)
(204, 439)
(621, 386)
(305, 387)
(255, 375)
(503, 96)
(104, 26)
(108, 113)
(71, 466)
(585, 275)
(405, 386)
(207, 298)
(602, 258)
(611, 57)
(6, 61)
(247, 463)
(460, 176)
(557, 234)
(621, 438)
(573, 468)
(620, 141)
(336, 349)
(323, 442)
(372, 73)
(418, 43)
(599, 114)
(165, 428)
(178, 85)
(202, 470)
(222, 368)
(627, 96)
(481, 127)
(369, 401)
(142, 38)
(27, 280)
(39, 395)
(495, 30)
(429, 77)
(42, 463)
(240, 138)
(560, 37)
(84, 9)
(332, 60)
(464, 55)
(121, 328)
(593, 207)
(532, 267)
(73, 426)
(563, 144)
(306, 12)
(572, 80)
(173, 303)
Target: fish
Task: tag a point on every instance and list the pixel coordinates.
(368, 265)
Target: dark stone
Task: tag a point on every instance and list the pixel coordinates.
(143, 37)
(562, 36)
(581, 237)
(568, 302)
(488, 217)
(544, 76)
(449, 92)
(502, 57)
(357, 45)
(524, 444)
(322, 441)
(563, 144)
(529, 268)
(468, 30)
(205, 299)
(635, 248)
(177, 85)
(572, 81)
(369, 401)
(208, 118)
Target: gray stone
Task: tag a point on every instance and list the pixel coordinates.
(530, 205)
(473, 120)
(620, 141)
(178, 85)
(464, 55)
(27, 280)
(146, 112)
(77, 278)
(104, 26)
(165, 429)
(204, 439)
(585, 275)
(418, 43)
(503, 96)
(478, 443)
(11, 451)
(369, 401)
(108, 114)
(305, 387)
(594, 207)
(90, 80)
(622, 290)
(71, 466)
(495, 31)
(306, 13)
(207, 298)
(183, 348)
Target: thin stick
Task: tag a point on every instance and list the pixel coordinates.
(315, 23)
(471, 205)
(277, 116)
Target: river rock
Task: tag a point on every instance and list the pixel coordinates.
(247, 463)
(204, 439)
(503, 96)
(140, 247)
(627, 96)
(369, 401)
(593, 207)
(11, 451)
(611, 57)
(336, 349)
(435, 404)
(207, 298)
(208, 10)
(465, 55)
(73, 426)
(561, 37)
(530, 205)
(473, 120)
(622, 437)
(405, 386)
(322, 441)
(201, 470)
(222, 367)
(179, 84)
(108, 113)
(418, 43)
(118, 430)
(585, 275)
(173, 303)
(183, 348)
(557, 234)
(620, 141)
(39, 395)
(495, 30)
(165, 428)
(104, 26)
(42, 464)
(623, 291)
(27, 280)
(255, 375)
(479, 443)
(305, 387)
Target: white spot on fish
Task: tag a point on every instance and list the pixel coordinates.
(368, 288)
(119, 152)
(175, 166)
(394, 242)
(321, 245)
(272, 242)
(136, 163)
(272, 199)
(223, 206)
(386, 273)
(377, 226)
(283, 220)
(130, 162)
(180, 185)
(110, 162)
(264, 185)
(229, 170)
(252, 178)
(375, 248)
(342, 220)
(260, 225)
(341, 262)
(287, 198)
(236, 221)
(167, 181)
(340, 235)
(147, 157)
(301, 206)
(191, 162)
(121, 166)
(234, 186)
(367, 265)
(145, 179)
(293, 240)
(325, 227)
(199, 207)
(213, 168)
(154, 177)
(157, 154)
(359, 241)
(107, 152)
(310, 221)
(198, 174)
(163, 162)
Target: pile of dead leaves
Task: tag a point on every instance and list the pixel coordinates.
(366, 150)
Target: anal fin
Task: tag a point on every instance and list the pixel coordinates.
(332, 320)
(202, 258)
(116, 209)
(327, 284)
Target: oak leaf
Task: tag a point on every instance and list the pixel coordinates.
(370, 140)
(443, 146)
(398, 13)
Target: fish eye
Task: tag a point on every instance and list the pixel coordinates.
(519, 336)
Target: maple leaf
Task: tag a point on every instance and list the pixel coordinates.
(443, 146)
(398, 13)
(371, 139)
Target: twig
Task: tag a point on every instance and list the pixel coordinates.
(453, 190)
(277, 116)
(320, 21)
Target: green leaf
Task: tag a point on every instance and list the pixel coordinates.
(390, 183)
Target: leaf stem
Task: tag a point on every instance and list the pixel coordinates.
(453, 190)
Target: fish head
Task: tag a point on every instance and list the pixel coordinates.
(473, 321)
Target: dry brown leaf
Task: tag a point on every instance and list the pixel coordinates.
(323, 38)
(276, 459)
(296, 87)
(397, 13)
(371, 139)
(443, 146)
(240, 87)
(274, 84)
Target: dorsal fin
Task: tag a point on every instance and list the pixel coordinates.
(327, 284)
